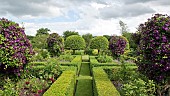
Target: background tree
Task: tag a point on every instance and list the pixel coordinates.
(124, 27)
(100, 43)
(15, 48)
(154, 51)
(55, 44)
(129, 36)
(87, 37)
(42, 31)
(75, 42)
(40, 41)
(69, 33)
(108, 37)
(30, 37)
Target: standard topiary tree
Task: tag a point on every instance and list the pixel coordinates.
(100, 43)
(15, 48)
(75, 42)
(55, 44)
(118, 45)
(154, 50)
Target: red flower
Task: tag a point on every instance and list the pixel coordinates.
(39, 91)
(27, 82)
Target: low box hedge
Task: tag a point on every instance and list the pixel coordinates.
(95, 63)
(76, 62)
(63, 86)
(85, 58)
(102, 85)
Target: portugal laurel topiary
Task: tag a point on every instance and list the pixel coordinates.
(15, 48)
(75, 42)
(100, 43)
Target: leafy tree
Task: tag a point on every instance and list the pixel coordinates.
(55, 44)
(15, 48)
(123, 26)
(108, 37)
(69, 33)
(154, 51)
(42, 31)
(87, 37)
(30, 37)
(75, 42)
(40, 41)
(100, 43)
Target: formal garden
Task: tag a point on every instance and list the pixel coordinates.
(133, 64)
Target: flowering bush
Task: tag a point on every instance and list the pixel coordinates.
(118, 45)
(15, 48)
(55, 44)
(154, 48)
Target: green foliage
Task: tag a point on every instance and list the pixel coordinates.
(33, 85)
(42, 31)
(85, 58)
(75, 42)
(66, 58)
(104, 59)
(55, 44)
(69, 33)
(107, 36)
(40, 41)
(100, 43)
(41, 55)
(95, 52)
(87, 37)
(30, 37)
(103, 86)
(68, 52)
(79, 52)
(9, 88)
(88, 51)
(64, 86)
(45, 70)
(139, 87)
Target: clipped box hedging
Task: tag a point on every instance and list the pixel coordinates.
(69, 68)
(95, 63)
(102, 84)
(37, 63)
(76, 62)
(63, 86)
(85, 58)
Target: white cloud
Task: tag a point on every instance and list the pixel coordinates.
(98, 17)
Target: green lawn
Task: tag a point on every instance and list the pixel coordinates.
(84, 83)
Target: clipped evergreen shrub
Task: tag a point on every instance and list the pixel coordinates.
(75, 42)
(100, 43)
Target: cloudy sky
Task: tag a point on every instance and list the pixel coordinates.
(97, 17)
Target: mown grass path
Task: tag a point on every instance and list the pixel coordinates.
(84, 84)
